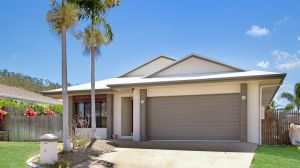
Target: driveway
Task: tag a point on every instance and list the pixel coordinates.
(158, 155)
(155, 158)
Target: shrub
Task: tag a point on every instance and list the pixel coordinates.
(19, 108)
(30, 112)
(2, 114)
(58, 108)
(38, 108)
(79, 142)
(49, 112)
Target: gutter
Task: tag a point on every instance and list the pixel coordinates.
(227, 79)
(75, 91)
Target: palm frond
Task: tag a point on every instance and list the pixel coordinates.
(62, 17)
(95, 39)
(288, 96)
(289, 106)
(111, 3)
(107, 28)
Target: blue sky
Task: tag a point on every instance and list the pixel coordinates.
(242, 33)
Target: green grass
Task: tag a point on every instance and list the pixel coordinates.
(15, 154)
(276, 157)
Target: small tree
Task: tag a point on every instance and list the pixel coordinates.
(293, 99)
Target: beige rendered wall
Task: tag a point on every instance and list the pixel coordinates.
(193, 89)
(151, 67)
(253, 120)
(193, 66)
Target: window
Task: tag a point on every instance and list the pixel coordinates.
(101, 115)
(83, 111)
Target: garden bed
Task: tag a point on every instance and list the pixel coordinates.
(79, 156)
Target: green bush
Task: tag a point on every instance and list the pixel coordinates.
(38, 108)
(18, 108)
(58, 108)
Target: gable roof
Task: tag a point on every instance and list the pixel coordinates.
(147, 63)
(194, 55)
(11, 92)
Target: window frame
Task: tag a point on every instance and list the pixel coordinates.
(85, 113)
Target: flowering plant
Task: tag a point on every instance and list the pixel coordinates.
(2, 114)
(49, 112)
(30, 112)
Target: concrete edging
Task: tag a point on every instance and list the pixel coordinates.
(31, 164)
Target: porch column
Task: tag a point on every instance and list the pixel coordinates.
(143, 115)
(244, 100)
(109, 122)
(136, 115)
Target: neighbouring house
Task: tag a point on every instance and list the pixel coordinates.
(25, 96)
(193, 98)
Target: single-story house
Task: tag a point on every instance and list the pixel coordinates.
(193, 98)
(25, 96)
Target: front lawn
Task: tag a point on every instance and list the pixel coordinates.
(15, 154)
(276, 157)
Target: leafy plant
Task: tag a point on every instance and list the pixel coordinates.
(49, 112)
(80, 141)
(18, 108)
(2, 114)
(30, 112)
(38, 108)
(58, 108)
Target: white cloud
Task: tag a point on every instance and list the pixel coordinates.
(263, 64)
(288, 65)
(285, 60)
(256, 31)
(282, 20)
(281, 55)
(298, 38)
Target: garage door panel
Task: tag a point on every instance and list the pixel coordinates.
(205, 117)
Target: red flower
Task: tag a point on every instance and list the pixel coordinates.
(49, 112)
(30, 112)
(2, 114)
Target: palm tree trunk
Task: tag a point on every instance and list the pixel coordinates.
(66, 133)
(93, 103)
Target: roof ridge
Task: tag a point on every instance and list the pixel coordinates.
(148, 62)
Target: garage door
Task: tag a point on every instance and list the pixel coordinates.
(205, 117)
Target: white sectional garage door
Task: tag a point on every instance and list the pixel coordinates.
(201, 117)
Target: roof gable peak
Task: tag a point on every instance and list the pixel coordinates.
(167, 61)
(200, 57)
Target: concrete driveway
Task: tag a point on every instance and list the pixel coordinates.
(155, 158)
(221, 155)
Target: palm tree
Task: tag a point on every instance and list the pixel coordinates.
(273, 105)
(97, 33)
(294, 99)
(61, 17)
